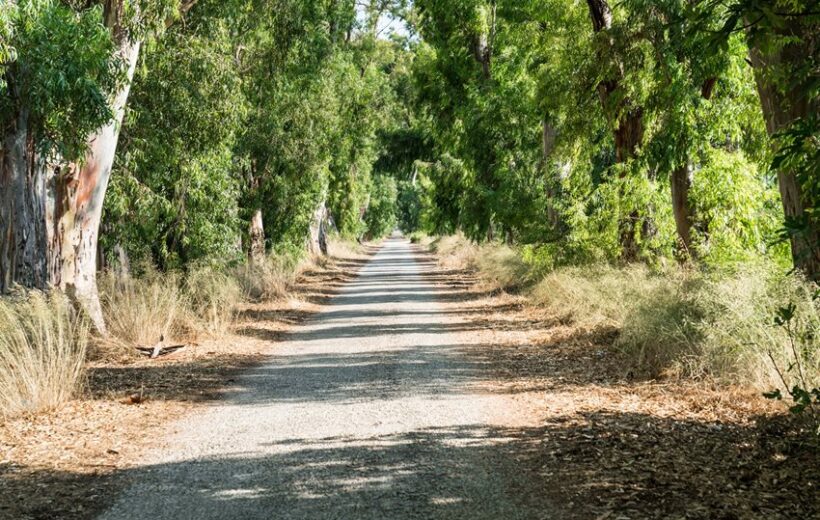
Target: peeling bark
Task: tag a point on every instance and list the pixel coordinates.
(50, 215)
(24, 210)
(79, 200)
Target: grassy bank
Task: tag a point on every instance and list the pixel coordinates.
(45, 343)
(673, 321)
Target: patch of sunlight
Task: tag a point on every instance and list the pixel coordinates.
(231, 494)
(362, 482)
(445, 501)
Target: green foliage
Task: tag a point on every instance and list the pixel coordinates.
(408, 206)
(61, 87)
(174, 195)
(380, 217)
(799, 375)
(491, 176)
(740, 214)
(290, 118)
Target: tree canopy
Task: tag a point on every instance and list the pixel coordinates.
(629, 131)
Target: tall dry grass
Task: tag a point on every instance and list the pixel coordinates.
(268, 280)
(212, 296)
(672, 322)
(142, 310)
(42, 352)
(497, 264)
(43, 344)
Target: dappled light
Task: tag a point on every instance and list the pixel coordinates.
(409, 259)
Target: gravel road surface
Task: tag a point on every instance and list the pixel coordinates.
(371, 410)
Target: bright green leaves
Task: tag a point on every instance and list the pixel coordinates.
(63, 88)
(174, 194)
(8, 13)
(382, 209)
(251, 105)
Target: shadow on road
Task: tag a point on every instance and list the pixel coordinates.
(640, 465)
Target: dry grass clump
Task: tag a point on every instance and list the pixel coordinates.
(421, 238)
(595, 295)
(455, 251)
(499, 265)
(344, 248)
(742, 310)
(721, 325)
(42, 352)
(212, 296)
(142, 310)
(268, 280)
(689, 323)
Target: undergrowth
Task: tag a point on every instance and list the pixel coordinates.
(673, 321)
(44, 343)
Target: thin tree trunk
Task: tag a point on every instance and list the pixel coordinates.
(256, 233)
(548, 137)
(629, 131)
(681, 182)
(317, 241)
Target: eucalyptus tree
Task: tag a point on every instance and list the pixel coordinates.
(287, 60)
(62, 105)
(578, 121)
(463, 92)
(366, 73)
(784, 43)
(174, 195)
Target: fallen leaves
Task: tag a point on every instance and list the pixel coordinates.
(619, 448)
(71, 462)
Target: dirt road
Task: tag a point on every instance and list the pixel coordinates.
(369, 410)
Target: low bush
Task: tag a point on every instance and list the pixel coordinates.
(417, 237)
(42, 352)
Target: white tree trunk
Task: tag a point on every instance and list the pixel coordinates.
(80, 201)
(317, 241)
(257, 238)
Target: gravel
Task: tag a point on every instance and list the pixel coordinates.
(371, 410)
